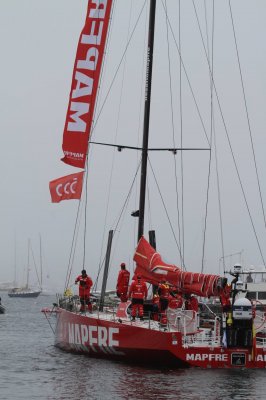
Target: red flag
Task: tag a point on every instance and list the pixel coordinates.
(66, 188)
(85, 82)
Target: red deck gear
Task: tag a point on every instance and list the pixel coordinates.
(193, 304)
(175, 301)
(122, 284)
(164, 293)
(138, 292)
(85, 284)
(155, 308)
(225, 298)
(164, 290)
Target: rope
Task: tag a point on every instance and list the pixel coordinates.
(113, 158)
(117, 223)
(229, 142)
(187, 77)
(247, 114)
(45, 314)
(119, 65)
(211, 137)
(171, 226)
(69, 268)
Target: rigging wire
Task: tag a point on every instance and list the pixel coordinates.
(149, 204)
(214, 133)
(247, 113)
(173, 127)
(115, 139)
(118, 219)
(90, 115)
(72, 251)
(122, 213)
(119, 65)
(229, 142)
(74, 237)
(85, 214)
(211, 138)
(168, 217)
(187, 77)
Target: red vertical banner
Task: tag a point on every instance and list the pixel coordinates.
(67, 187)
(85, 81)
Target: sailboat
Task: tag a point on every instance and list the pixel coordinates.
(188, 338)
(25, 291)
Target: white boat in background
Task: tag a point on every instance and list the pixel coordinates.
(254, 283)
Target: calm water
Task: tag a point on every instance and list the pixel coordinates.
(32, 368)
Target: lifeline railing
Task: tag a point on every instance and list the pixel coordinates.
(185, 321)
(261, 341)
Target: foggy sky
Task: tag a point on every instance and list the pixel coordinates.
(38, 42)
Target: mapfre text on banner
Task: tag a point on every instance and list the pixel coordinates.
(85, 83)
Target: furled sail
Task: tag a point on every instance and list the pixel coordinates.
(154, 270)
(85, 82)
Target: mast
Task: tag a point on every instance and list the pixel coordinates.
(15, 262)
(41, 259)
(146, 122)
(28, 266)
(106, 268)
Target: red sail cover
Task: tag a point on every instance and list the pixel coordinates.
(85, 82)
(66, 188)
(154, 270)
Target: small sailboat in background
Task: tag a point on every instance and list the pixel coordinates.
(25, 291)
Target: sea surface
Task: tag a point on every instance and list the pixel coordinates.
(32, 368)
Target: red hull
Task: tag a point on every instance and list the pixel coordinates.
(135, 342)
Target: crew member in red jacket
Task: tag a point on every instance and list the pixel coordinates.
(122, 283)
(155, 307)
(138, 292)
(164, 293)
(192, 303)
(85, 284)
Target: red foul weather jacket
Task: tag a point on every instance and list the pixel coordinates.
(85, 285)
(138, 290)
(164, 290)
(122, 281)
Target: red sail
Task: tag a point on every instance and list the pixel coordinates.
(85, 82)
(66, 188)
(154, 270)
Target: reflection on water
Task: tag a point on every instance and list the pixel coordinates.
(32, 368)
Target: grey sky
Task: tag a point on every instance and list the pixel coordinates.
(38, 43)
